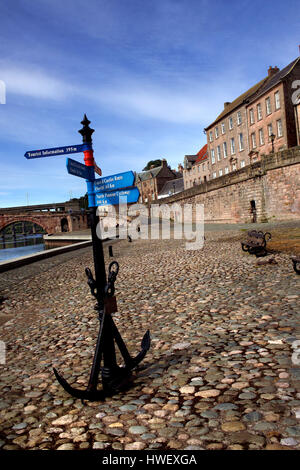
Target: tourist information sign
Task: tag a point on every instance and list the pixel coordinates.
(112, 182)
(78, 169)
(57, 151)
(113, 197)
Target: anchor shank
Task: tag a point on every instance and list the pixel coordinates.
(100, 273)
(94, 374)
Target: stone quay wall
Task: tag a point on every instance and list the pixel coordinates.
(272, 183)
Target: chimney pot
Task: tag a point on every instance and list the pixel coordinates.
(227, 103)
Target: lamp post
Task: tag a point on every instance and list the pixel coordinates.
(272, 137)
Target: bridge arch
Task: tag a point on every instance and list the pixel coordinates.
(12, 220)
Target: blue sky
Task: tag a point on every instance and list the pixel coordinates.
(149, 74)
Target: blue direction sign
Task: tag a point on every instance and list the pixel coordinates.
(78, 169)
(112, 197)
(57, 151)
(120, 180)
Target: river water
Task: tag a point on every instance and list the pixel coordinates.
(23, 245)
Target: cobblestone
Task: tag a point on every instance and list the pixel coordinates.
(219, 374)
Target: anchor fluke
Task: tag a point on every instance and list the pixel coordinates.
(91, 395)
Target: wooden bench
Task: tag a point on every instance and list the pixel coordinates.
(256, 243)
(296, 263)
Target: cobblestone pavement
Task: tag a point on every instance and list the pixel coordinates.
(219, 373)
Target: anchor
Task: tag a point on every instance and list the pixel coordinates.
(114, 377)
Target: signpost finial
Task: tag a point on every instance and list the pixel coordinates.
(86, 131)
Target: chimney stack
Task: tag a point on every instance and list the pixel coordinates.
(272, 71)
(164, 162)
(180, 168)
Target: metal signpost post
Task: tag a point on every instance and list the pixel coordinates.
(114, 377)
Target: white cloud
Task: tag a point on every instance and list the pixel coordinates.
(34, 83)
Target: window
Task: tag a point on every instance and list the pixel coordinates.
(242, 163)
(233, 166)
(214, 174)
(259, 112)
(203, 167)
(268, 106)
(270, 130)
(277, 100)
(279, 128)
(225, 149)
(219, 153)
(261, 137)
(230, 122)
(232, 146)
(217, 132)
(210, 136)
(239, 117)
(241, 142)
(220, 172)
(223, 127)
(253, 140)
(251, 114)
(226, 170)
(213, 156)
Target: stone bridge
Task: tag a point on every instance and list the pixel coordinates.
(60, 217)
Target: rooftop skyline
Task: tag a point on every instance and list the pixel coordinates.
(149, 75)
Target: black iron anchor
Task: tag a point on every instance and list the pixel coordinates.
(114, 377)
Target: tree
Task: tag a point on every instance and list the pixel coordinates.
(153, 163)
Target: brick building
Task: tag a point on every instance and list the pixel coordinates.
(151, 182)
(242, 132)
(227, 136)
(196, 168)
(271, 113)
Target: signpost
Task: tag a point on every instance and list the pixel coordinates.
(56, 151)
(114, 377)
(78, 169)
(113, 197)
(120, 180)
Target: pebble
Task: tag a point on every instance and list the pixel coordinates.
(137, 429)
(63, 420)
(208, 393)
(187, 390)
(289, 441)
(252, 417)
(66, 447)
(233, 426)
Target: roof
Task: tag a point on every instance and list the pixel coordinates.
(259, 89)
(238, 101)
(276, 78)
(146, 175)
(191, 158)
(171, 187)
(177, 174)
(202, 154)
